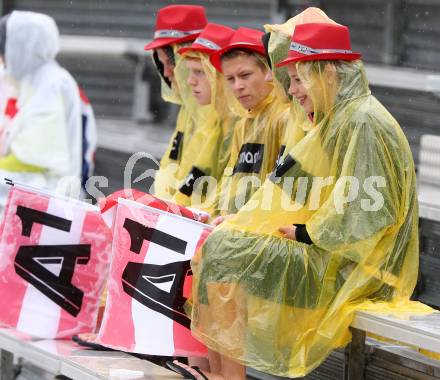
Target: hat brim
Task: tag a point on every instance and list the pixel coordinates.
(320, 57)
(162, 42)
(197, 49)
(216, 60)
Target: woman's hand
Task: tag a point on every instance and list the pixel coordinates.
(221, 219)
(203, 218)
(289, 232)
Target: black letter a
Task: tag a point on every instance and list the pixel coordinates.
(31, 261)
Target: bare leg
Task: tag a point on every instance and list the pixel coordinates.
(215, 361)
(202, 363)
(232, 370)
(211, 364)
(222, 368)
(210, 376)
(88, 337)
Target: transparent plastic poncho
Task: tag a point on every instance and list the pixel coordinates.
(281, 306)
(208, 154)
(166, 179)
(279, 43)
(256, 143)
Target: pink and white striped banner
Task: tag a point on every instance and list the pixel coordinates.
(54, 261)
(150, 280)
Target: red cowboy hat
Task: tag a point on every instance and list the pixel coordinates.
(177, 23)
(243, 38)
(318, 41)
(213, 38)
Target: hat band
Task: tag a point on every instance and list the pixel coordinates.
(207, 43)
(242, 43)
(170, 33)
(306, 50)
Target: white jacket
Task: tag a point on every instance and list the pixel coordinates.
(47, 130)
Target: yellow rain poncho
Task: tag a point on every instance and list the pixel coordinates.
(256, 144)
(279, 305)
(255, 147)
(166, 179)
(211, 141)
(280, 38)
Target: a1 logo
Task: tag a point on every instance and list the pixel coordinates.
(32, 261)
(158, 287)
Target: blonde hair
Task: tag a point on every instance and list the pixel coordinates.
(233, 53)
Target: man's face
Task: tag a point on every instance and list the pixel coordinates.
(246, 79)
(297, 89)
(168, 66)
(198, 81)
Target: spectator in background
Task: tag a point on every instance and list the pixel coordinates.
(176, 25)
(7, 91)
(89, 139)
(49, 134)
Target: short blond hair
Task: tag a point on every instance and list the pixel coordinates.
(233, 53)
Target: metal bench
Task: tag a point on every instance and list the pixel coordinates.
(419, 331)
(428, 287)
(64, 357)
(429, 172)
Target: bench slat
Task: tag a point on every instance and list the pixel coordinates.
(420, 331)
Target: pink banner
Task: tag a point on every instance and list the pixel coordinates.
(54, 262)
(150, 280)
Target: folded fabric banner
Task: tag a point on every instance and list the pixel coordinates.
(109, 205)
(54, 261)
(150, 280)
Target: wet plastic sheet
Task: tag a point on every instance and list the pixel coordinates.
(211, 143)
